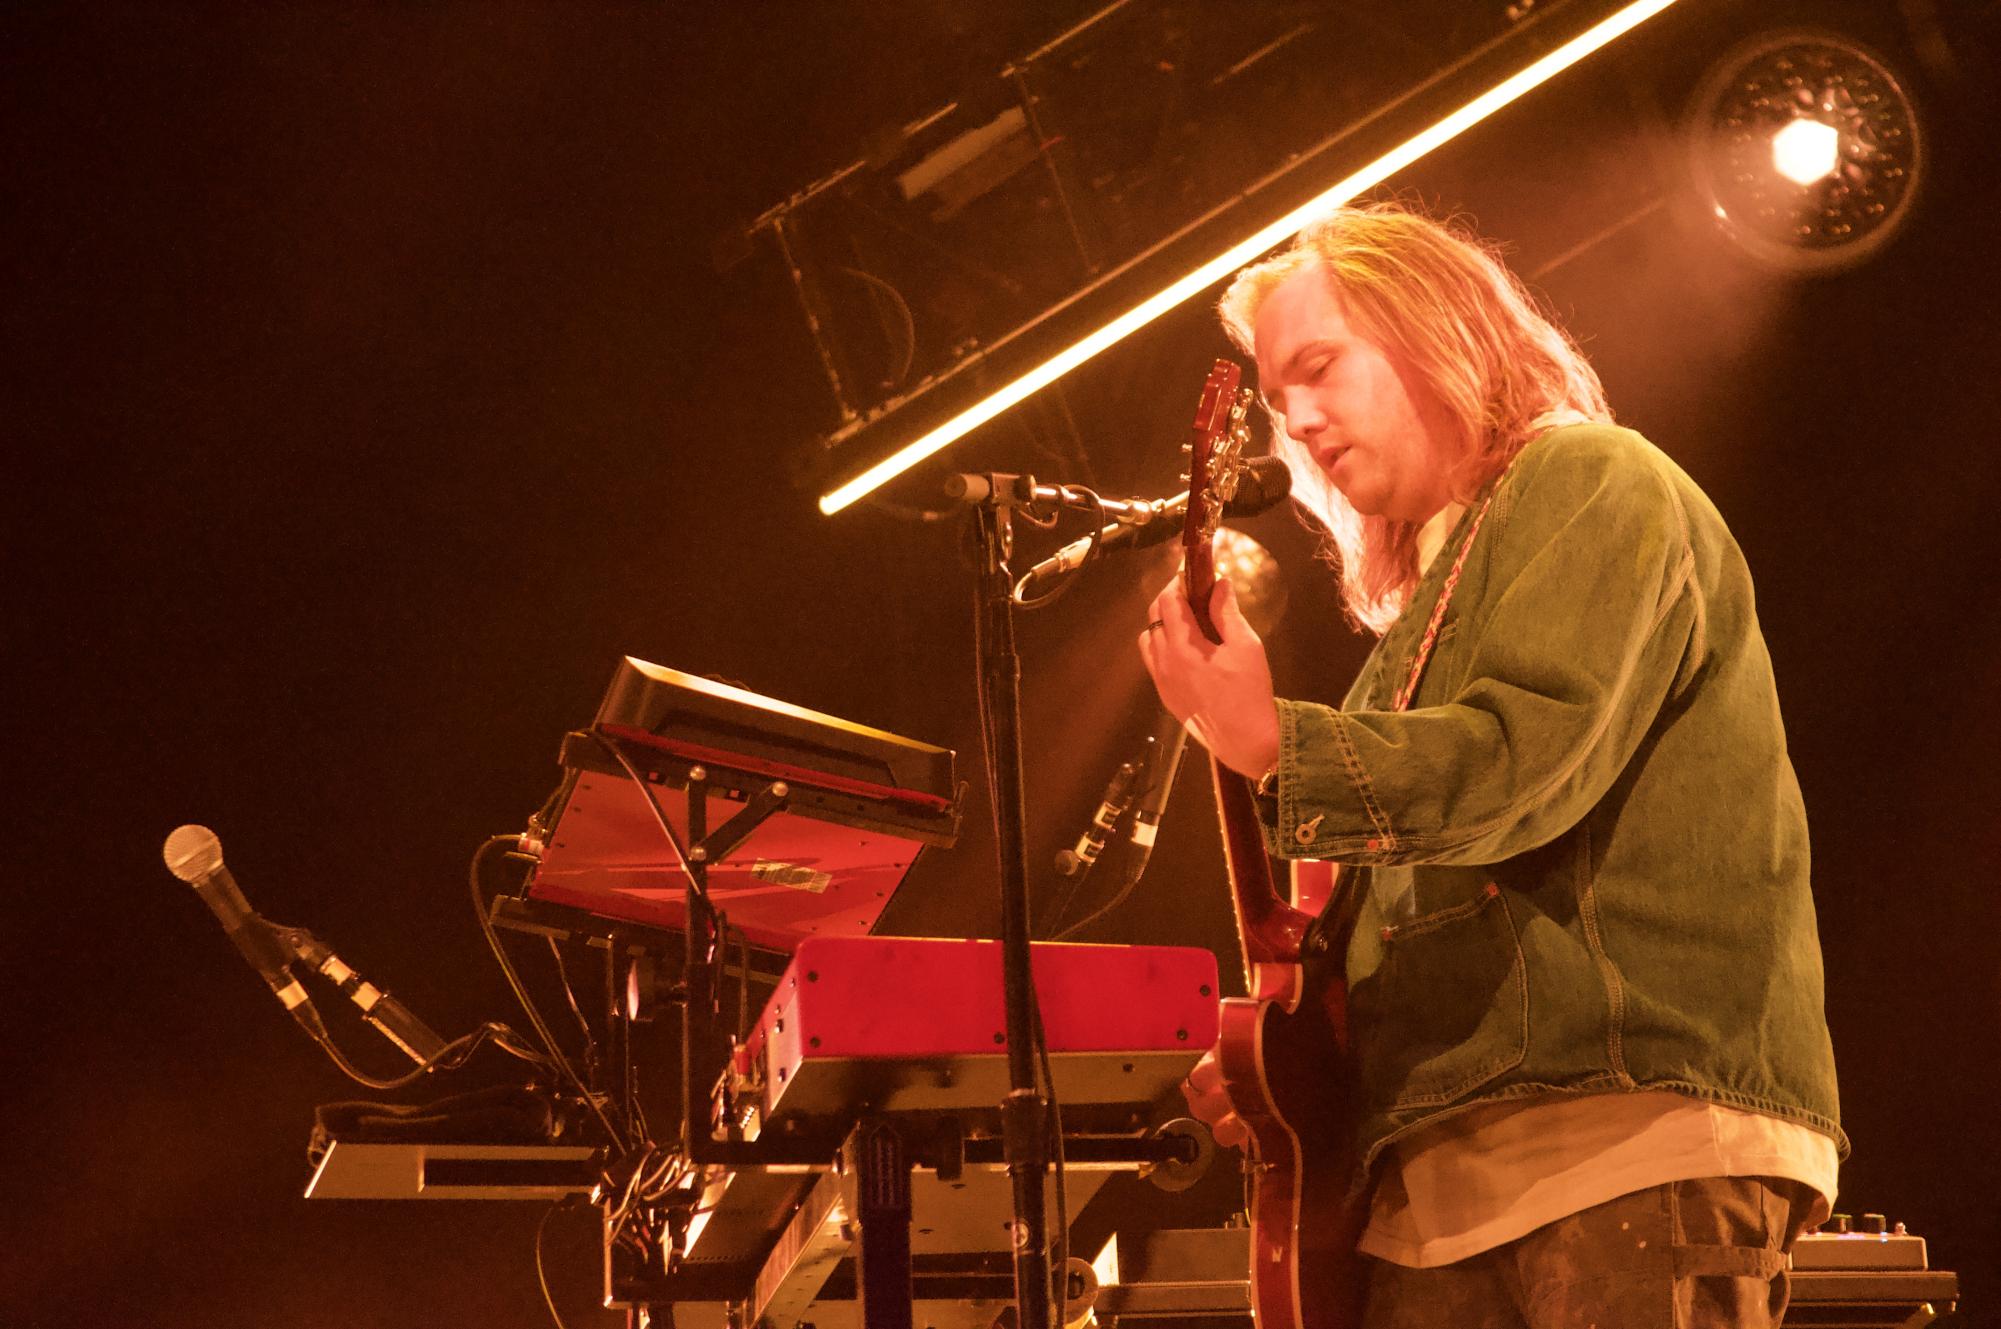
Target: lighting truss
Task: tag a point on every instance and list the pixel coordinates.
(1236, 256)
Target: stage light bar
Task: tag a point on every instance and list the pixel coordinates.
(1277, 233)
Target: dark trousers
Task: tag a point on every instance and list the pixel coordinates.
(1701, 1254)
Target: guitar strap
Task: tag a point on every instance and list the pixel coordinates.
(1430, 638)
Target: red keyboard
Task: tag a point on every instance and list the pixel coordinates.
(903, 1024)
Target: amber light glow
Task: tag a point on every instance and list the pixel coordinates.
(1272, 235)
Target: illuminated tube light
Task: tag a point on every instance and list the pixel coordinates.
(1377, 171)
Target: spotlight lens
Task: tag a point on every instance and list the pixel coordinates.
(1806, 150)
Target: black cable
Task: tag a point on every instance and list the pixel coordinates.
(448, 1058)
(570, 995)
(1027, 512)
(1055, 1129)
(1098, 522)
(1122, 894)
(666, 831)
(1120, 803)
(562, 1063)
(540, 1276)
(1091, 554)
(902, 307)
(628, 1070)
(1118, 898)
(742, 986)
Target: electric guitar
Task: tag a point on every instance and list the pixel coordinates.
(1283, 1050)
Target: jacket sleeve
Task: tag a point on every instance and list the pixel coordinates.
(1585, 615)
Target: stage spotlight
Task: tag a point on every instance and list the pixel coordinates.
(1808, 149)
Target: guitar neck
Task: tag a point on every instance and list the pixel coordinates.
(1272, 931)
(1198, 580)
(1212, 463)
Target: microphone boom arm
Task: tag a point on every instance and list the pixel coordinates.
(1143, 523)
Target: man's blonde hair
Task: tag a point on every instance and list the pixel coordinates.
(1477, 341)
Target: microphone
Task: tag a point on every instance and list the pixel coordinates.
(1263, 483)
(1118, 796)
(194, 854)
(1164, 752)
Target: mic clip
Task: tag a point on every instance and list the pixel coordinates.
(1118, 797)
(390, 1017)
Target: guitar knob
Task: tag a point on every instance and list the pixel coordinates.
(1188, 447)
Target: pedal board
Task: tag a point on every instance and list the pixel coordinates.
(1861, 1273)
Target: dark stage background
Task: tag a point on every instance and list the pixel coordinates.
(371, 392)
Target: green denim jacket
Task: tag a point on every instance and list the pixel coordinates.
(1583, 847)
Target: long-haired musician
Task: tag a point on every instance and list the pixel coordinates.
(1585, 984)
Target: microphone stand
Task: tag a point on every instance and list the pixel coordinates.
(1024, 1112)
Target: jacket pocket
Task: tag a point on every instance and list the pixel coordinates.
(1446, 1009)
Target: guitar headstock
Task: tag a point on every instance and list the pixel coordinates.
(1221, 434)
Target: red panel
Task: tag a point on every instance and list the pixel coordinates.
(904, 997)
(795, 877)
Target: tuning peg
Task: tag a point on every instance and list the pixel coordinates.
(1188, 447)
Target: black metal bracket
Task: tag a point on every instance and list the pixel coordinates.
(738, 828)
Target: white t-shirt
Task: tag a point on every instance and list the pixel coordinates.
(1494, 1173)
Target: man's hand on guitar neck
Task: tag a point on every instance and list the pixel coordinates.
(1223, 694)
(1209, 1101)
